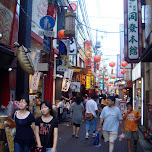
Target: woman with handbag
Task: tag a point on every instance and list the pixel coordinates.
(25, 127)
(46, 129)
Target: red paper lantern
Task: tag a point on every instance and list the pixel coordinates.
(101, 77)
(124, 64)
(104, 82)
(112, 64)
(113, 77)
(97, 58)
(61, 34)
(123, 71)
(106, 78)
(109, 84)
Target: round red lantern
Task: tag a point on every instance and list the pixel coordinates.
(101, 77)
(104, 82)
(112, 64)
(106, 78)
(113, 77)
(97, 58)
(124, 64)
(123, 72)
(109, 84)
(61, 34)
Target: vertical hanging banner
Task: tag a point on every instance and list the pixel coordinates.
(88, 49)
(67, 80)
(119, 75)
(92, 82)
(88, 82)
(133, 31)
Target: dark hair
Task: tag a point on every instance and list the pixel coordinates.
(117, 96)
(111, 98)
(94, 96)
(26, 100)
(49, 105)
(129, 103)
(104, 96)
(85, 96)
(78, 100)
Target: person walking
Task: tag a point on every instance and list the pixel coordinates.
(111, 115)
(60, 107)
(91, 116)
(77, 108)
(131, 128)
(25, 127)
(46, 128)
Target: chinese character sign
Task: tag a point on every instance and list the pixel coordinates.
(88, 49)
(88, 82)
(133, 31)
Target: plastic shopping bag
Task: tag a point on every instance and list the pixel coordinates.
(96, 140)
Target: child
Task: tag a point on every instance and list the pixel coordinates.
(131, 128)
(46, 128)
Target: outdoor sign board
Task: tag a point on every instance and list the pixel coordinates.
(133, 31)
(67, 80)
(46, 44)
(47, 22)
(136, 72)
(122, 53)
(92, 81)
(88, 82)
(75, 86)
(119, 75)
(88, 49)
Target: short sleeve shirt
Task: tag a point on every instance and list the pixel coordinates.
(91, 107)
(111, 118)
(44, 129)
(24, 132)
(130, 123)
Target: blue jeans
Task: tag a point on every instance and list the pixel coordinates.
(91, 123)
(20, 148)
(49, 150)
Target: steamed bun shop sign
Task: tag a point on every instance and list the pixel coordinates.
(133, 32)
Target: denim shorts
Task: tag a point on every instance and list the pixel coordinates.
(49, 150)
(132, 134)
(91, 123)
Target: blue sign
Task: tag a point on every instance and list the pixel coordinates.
(46, 44)
(47, 22)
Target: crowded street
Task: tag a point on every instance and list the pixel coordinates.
(75, 75)
(67, 143)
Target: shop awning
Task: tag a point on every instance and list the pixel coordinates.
(6, 57)
(80, 69)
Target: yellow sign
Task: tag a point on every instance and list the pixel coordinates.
(10, 139)
(88, 82)
(92, 82)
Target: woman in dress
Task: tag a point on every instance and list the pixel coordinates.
(25, 127)
(46, 128)
(77, 108)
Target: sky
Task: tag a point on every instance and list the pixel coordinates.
(106, 15)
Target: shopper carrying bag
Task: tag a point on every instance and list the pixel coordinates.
(46, 129)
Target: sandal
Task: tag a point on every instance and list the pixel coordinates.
(73, 135)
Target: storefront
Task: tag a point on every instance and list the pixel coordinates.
(138, 92)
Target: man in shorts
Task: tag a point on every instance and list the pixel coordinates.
(91, 108)
(131, 128)
(111, 115)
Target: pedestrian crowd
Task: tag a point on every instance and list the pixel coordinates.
(41, 134)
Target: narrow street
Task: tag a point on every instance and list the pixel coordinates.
(67, 143)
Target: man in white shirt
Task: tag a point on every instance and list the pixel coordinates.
(91, 108)
(60, 107)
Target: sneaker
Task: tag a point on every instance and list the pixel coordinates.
(93, 135)
(87, 136)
